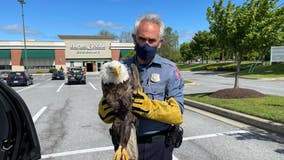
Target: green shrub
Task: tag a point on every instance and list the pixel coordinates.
(39, 71)
(53, 69)
(61, 69)
(212, 68)
(229, 68)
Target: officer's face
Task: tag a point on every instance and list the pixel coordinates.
(148, 32)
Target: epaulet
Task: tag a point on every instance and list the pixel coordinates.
(167, 62)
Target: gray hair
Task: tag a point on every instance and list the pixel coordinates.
(152, 18)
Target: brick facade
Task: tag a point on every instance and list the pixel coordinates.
(115, 54)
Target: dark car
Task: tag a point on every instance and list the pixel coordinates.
(18, 136)
(76, 75)
(58, 75)
(4, 75)
(19, 78)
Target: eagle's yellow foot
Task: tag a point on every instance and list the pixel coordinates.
(121, 154)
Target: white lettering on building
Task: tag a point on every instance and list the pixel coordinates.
(91, 48)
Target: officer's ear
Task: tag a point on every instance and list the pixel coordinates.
(160, 42)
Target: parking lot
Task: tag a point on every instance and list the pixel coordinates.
(69, 127)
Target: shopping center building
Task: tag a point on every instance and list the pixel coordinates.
(73, 51)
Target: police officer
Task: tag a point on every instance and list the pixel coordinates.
(160, 105)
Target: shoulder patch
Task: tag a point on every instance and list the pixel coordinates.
(177, 74)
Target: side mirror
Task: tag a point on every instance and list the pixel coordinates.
(18, 136)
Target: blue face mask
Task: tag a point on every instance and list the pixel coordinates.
(146, 52)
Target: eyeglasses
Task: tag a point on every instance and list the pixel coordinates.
(150, 40)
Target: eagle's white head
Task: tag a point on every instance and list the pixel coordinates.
(114, 72)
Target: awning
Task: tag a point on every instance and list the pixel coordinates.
(124, 52)
(5, 53)
(38, 53)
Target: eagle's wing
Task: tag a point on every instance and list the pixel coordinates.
(135, 80)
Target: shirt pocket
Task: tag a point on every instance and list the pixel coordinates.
(155, 91)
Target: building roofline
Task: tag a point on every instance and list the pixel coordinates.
(85, 37)
(118, 45)
(31, 45)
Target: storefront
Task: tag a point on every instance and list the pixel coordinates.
(5, 60)
(87, 51)
(74, 50)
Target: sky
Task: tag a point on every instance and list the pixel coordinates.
(46, 19)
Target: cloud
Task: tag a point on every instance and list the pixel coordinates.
(18, 29)
(103, 24)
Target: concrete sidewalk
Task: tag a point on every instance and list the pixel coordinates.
(248, 119)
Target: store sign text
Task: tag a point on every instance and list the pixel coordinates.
(88, 48)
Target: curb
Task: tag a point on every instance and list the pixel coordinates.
(248, 119)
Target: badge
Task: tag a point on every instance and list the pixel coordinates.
(155, 77)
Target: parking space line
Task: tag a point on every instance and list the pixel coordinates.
(58, 90)
(39, 113)
(68, 153)
(34, 85)
(93, 86)
(108, 148)
(215, 135)
(174, 157)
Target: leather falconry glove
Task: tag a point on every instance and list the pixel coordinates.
(167, 111)
(106, 112)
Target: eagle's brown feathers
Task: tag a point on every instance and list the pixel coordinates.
(117, 86)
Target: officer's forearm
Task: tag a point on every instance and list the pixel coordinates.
(164, 111)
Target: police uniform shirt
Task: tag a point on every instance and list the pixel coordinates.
(160, 80)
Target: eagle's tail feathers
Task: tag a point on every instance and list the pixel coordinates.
(121, 154)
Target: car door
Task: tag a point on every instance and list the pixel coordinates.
(18, 136)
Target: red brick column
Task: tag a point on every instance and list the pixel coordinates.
(16, 57)
(115, 54)
(60, 57)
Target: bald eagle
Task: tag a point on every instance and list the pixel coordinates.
(117, 85)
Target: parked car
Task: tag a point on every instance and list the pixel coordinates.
(4, 75)
(18, 136)
(19, 78)
(76, 75)
(58, 75)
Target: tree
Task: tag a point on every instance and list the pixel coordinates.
(106, 33)
(125, 37)
(220, 21)
(237, 27)
(169, 47)
(186, 52)
(203, 43)
(268, 24)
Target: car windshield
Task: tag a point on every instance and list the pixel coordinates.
(4, 72)
(76, 70)
(17, 74)
(58, 72)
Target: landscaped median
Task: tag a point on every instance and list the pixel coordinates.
(266, 112)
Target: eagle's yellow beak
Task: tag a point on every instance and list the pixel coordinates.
(116, 71)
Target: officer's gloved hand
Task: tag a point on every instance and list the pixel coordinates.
(106, 112)
(167, 111)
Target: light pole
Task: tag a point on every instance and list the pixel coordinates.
(22, 2)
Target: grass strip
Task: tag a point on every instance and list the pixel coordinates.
(269, 107)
